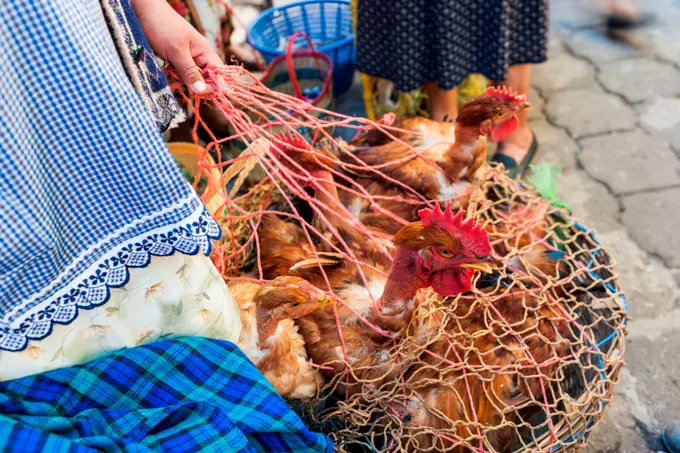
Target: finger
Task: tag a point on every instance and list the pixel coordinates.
(189, 72)
(207, 57)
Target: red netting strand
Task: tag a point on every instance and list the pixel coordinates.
(524, 361)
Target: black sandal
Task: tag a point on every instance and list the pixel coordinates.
(615, 22)
(513, 168)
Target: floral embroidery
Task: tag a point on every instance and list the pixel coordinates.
(96, 330)
(202, 316)
(195, 304)
(35, 351)
(57, 354)
(154, 291)
(144, 333)
(113, 272)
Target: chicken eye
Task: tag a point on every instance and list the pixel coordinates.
(445, 253)
(499, 114)
(295, 304)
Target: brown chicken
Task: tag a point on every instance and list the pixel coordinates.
(440, 393)
(270, 338)
(527, 251)
(450, 153)
(510, 341)
(440, 251)
(501, 369)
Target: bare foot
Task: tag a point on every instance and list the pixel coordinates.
(443, 115)
(518, 144)
(625, 11)
(443, 103)
(622, 15)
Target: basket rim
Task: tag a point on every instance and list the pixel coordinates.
(275, 51)
(305, 54)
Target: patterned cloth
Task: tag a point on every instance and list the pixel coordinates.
(141, 65)
(174, 296)
(185, 395)
(413, 42)
(88, 188)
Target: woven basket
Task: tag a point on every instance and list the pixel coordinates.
(305, 74)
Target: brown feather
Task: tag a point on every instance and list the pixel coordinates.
(416, 235)
(446, 154)
(437, 405)
(283, 361)
(324, 260)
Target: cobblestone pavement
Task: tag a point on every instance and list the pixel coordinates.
(609, 112)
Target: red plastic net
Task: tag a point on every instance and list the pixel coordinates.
(525, 360)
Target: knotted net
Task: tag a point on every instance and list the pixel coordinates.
(525, 361)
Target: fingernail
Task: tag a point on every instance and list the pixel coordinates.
(198, 87)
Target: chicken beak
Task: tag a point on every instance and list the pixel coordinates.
(323, 300)
(523, 106)
(317, 298)
(479, 267)
(483, 264)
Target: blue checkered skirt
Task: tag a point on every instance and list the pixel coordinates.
(88, 188)
(183, 395)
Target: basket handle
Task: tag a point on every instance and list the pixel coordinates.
(291, 68)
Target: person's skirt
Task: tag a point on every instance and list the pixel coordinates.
(414, 42)
(103, 243)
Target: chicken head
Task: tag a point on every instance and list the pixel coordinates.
(493, 113)
(447, 250)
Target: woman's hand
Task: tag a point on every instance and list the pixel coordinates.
(176, 41)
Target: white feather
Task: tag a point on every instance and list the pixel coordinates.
(449, 189)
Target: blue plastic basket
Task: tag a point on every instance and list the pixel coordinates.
(327, 22)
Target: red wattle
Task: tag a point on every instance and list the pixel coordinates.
(451, 283)
(504, 130)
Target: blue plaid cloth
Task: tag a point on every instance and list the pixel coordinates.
(182, 395)
(88, 188)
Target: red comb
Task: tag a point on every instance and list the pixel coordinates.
(506, 95)
(292, 140)
(454, 224)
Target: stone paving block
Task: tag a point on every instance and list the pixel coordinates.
(594, 45)
(561, 72)
(555, 43)
(554, 144)
(589, 111)
(640, 79)
(617, 432)
(655, 397)
(589, 201)
(651, 218)
(648, 395)
(676, 273)
(652, 357)
(661, 118)
(631, 423)
(574, 13)
(664, 33)
(630, 161)
(668, 47)
(650, 287)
